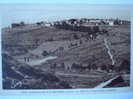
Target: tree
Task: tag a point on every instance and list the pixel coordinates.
(89, 67)
(45, 53)
(94, 67)
(111, 67)
(62, 65)
(80, 41)
(22, 23)
(104, 67)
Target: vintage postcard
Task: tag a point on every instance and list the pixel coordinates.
(65, 48)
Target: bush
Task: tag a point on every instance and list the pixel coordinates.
(45, 53)
(125, 65)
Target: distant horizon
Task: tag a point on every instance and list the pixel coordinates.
(69, 19)
(28, 13)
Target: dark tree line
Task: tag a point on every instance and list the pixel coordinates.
(124, 66)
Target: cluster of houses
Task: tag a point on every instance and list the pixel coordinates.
(92, 22)
(90, 26)
(78, 22)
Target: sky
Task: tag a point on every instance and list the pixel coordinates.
(31, 13)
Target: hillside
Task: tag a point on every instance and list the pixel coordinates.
(75, 56)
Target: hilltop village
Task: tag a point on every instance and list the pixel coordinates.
(80, 52)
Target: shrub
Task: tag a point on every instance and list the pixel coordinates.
(45, 53)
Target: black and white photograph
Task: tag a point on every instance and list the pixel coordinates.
(65, 46)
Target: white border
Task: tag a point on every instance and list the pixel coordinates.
(69, 91)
